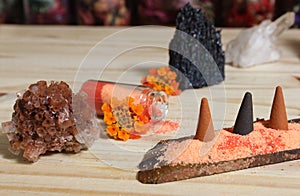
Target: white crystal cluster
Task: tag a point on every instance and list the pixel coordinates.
(255, 45)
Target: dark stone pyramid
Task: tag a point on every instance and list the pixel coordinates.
(187, 54)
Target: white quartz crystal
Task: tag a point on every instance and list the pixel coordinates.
(255, 45)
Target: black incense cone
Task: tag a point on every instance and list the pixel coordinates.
(244, 121)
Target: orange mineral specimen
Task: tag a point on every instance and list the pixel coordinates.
(50, 118)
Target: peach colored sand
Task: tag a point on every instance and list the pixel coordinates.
(228, 146)
(165, 126)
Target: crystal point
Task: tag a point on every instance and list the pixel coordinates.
(256, 45)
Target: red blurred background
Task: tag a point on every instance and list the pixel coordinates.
(229, 13)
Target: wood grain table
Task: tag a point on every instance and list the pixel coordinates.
(75, 54)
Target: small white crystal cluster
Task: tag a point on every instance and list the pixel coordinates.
(256, 45)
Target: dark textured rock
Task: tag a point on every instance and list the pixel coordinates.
(196, 50)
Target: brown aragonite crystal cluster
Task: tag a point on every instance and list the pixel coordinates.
(50, 118)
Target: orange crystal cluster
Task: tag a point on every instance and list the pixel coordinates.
(49, 118)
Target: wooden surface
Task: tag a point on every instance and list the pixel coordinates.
(28, 54)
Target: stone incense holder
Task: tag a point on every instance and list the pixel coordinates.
(242, 146)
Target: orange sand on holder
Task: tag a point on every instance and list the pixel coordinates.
(228, 146)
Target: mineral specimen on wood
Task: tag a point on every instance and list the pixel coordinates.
(256, 45)
(196, 50)
(50, 118)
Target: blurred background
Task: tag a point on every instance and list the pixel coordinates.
(229, 13)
